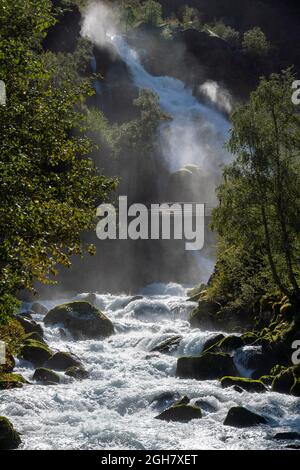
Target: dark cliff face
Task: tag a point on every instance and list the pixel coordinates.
(64, 35)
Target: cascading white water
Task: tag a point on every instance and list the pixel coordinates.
(115, 407)
(196, 133)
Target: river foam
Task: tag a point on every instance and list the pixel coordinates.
(128, 386)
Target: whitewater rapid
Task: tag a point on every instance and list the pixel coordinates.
(115, 407)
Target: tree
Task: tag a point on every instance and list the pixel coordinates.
(191, 17)
(255, 43)
(49, 187)
(260, 195)
(152, 12)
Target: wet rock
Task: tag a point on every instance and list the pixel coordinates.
(81, 319)
(35, 352)
(205, 405)
(30, 326)
(240, 417)
(181, 413)
(62, 361)
(214, 341)
(39, 308)
(287, 436)
(164, 399)
(249, 338)
(267, 380)
(203, 315)
(231, 343)
(9, 437)
(182, 401)
(285, 381)
(46, 376)
(9, 381)
(27, 315)
(168, 345)
(249, 385)
(36, 337)
(78, 373)
(208, 366)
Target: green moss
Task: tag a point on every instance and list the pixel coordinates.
(82, 320)
(35, 352)
(267, 380)
(249, 385)
(286, 380)
(8, 381)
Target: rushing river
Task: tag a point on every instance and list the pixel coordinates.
(115, 407)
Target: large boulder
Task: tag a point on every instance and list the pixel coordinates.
(62, 361)
(8, 381)
(82, 320)
(35, 352)
(249, 385)
(46, 376)
(9, 437)
(208, 366)
(182, 413)
(240, 417)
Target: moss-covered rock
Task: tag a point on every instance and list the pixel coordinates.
(34, 336)
(204, 314)
(35, 352)
(240, 417)
(213, 343)
(208, 366)
(81, 319)
(46, 376)
(285, 380)
(182, 413)
(168, 345)
(30, 326)
(231, 343)
(227, 344)
(78, 373)
(246, 384)
(62, 361)
(9, 437)
(8, 381)
(267, 380)
(249, 338)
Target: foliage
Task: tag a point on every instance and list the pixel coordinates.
(225, 32)
(259, 197)
(191, 18)
(49, 187)
(255, 43)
